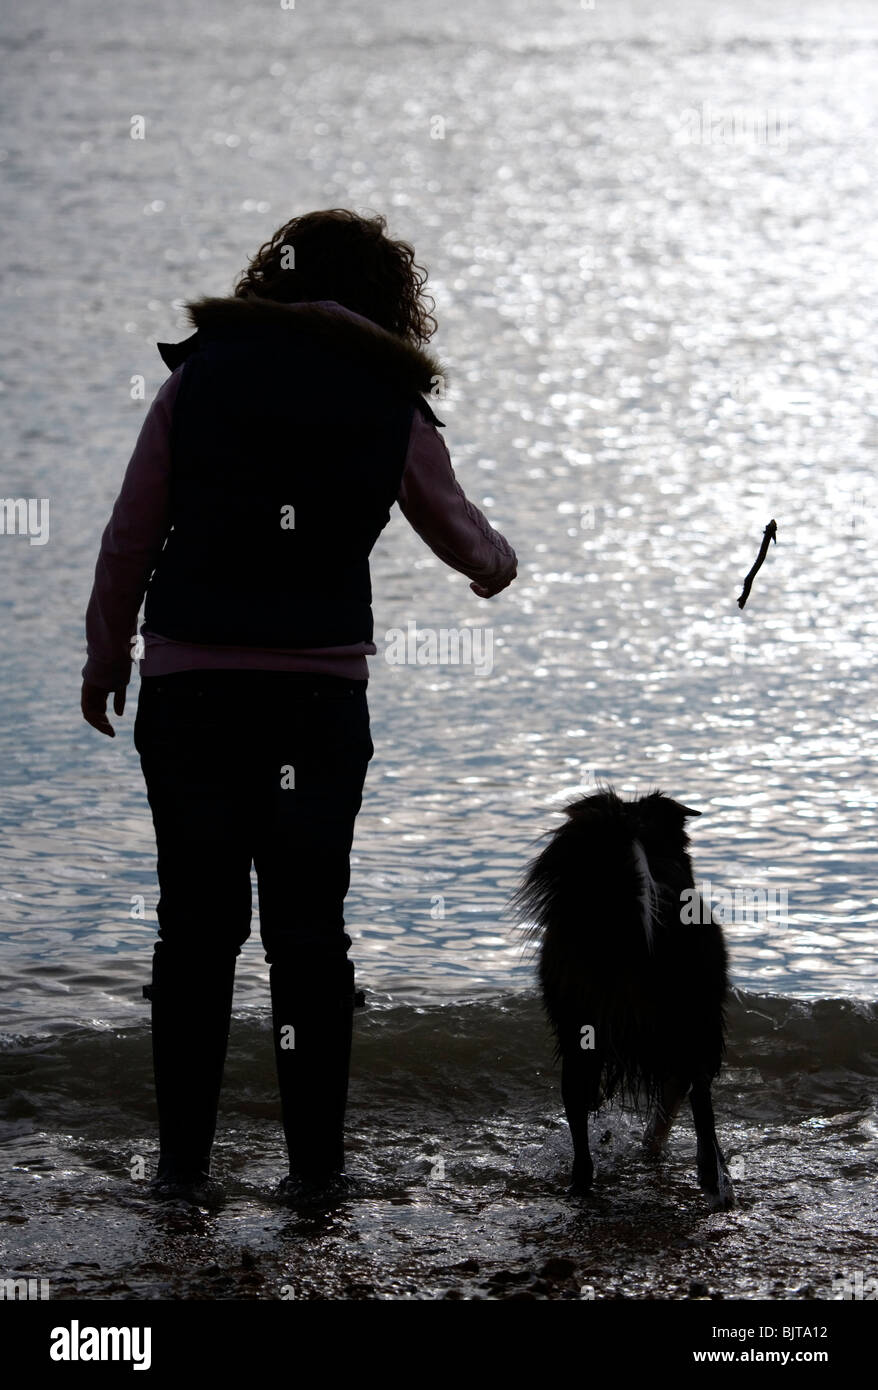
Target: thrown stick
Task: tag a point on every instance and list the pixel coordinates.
(768, 535)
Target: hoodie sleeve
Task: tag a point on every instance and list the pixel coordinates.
(433, 502)
(130, 547)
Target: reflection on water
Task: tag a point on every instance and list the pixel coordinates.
(655, 346)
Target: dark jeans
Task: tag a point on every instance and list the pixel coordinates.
(216, 748)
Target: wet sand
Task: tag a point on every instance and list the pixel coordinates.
(458, 1136)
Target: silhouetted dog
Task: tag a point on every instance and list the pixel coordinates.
(633, 972)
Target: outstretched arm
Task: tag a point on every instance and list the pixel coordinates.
(433, 502)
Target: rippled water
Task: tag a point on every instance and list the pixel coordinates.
(462, 1160)
(655, 344)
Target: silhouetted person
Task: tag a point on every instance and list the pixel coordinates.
(266, 467)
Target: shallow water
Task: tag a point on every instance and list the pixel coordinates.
(654, 346)
(457, 1140)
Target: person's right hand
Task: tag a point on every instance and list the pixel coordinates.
(495, 589)
(93, 703)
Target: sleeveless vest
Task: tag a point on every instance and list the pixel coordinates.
(289, 437)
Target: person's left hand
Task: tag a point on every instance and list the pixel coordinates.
(94, 706)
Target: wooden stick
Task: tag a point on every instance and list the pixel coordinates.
(768, 535)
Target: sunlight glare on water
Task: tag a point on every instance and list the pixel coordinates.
(656, 343)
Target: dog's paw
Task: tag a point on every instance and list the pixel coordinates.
(581, 1181)
(721, 1197)
(578, 1189)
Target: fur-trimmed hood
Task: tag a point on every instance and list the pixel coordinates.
(356, 337)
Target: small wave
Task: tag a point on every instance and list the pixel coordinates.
(477, 1055)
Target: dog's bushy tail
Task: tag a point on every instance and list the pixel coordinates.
(591, 904)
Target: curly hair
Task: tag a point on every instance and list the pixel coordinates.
(336, 254)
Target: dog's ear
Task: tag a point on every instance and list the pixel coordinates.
(657, 803)
(595, 804)
(674, 808)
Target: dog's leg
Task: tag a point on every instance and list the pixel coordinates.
(673, 1093)
(713, 1175)
(580, 1091)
